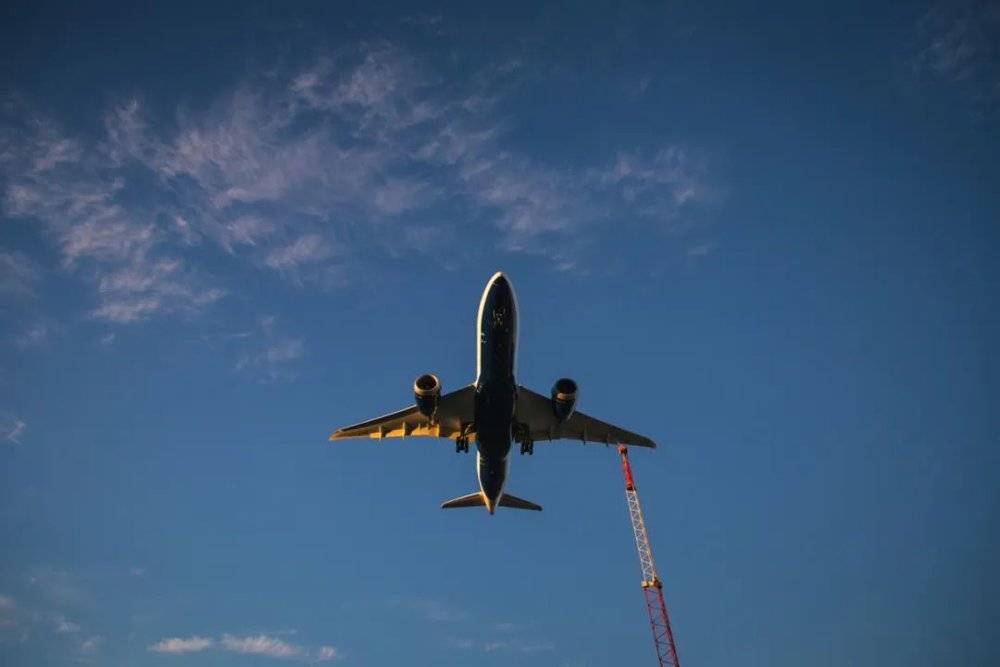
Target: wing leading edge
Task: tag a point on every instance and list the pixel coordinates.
(453, 419)
(535, 410)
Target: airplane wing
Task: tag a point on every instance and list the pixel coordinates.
(455, 412)
(535, 410)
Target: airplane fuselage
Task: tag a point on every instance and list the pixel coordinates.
(496, 389)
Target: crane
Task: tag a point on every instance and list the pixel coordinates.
(652, 587)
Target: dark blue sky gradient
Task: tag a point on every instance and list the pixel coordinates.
(794, 291)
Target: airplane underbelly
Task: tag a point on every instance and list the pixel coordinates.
(494, 410)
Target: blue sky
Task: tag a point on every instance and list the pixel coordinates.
(767, 239)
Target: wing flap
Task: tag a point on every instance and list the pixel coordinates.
(535, 410)
(453, 420)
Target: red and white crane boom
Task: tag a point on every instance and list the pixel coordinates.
(652, 587)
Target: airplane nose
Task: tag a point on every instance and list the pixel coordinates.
(501, 286)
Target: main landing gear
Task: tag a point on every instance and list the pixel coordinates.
(462, 441)
(521, 434)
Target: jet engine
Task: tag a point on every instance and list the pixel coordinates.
(563, 398)
(427, 390)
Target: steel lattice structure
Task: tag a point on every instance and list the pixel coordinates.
(652, 587)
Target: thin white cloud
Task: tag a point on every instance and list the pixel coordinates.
(326, 653)
(60, 587)
(699, 250)
(34, 336)
(956, 44)
(7, 606)
(90, 645)
(261, 645)
(267, 353)
(11, 429)
(19, 275)
(307, 249)
(182, 645)
(432, 610)
(508, 644)
(65, 627)
(297, 172)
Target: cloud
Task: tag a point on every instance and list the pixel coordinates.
(956, 44)
(19, 275)
(261, 645)
(511, 644)
(65, 627)
(326, 653)
(11, 429)
(87, 208)
(34, 336)
(45, 622)
(180, 645)
(433, 610)
(307, 249)
(60, 587)
(7, 609)
(307, 169)
(267, 354)
(90, 645)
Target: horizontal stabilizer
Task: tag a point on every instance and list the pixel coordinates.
(469, 500)
(507, 500)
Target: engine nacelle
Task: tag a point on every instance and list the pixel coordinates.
(427, 391)
(563, 398)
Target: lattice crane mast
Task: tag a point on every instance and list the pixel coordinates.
(652, 587)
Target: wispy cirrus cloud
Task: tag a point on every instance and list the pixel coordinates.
(432, 610)
(34, 335)
(259, 645)
(266, 352)
(957, 44)
(24, 622)
(7, 607)
(80, 197)
(182, 645)
(366, 149)
(12, 427)
(19, 275)
(512, 644)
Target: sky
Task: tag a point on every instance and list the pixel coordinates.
(765, 237)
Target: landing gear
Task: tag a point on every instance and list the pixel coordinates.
(462, 441)
(523, 435)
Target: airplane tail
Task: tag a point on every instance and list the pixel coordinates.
(478, 500)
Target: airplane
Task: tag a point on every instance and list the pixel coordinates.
(494, 410)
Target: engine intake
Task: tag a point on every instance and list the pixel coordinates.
(563, 398)
(427, 391)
